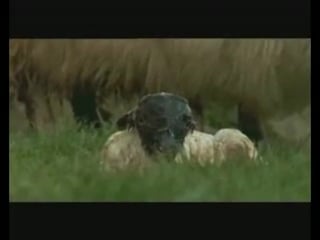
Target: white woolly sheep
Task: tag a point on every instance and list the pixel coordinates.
(123, 150)
(161, 127)
(225, 145)
(203, 70)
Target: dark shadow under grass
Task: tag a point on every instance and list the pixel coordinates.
(63, 165)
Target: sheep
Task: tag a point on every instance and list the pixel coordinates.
(156, 127)
(124, 150)
(266, 78)
(224, 146)
(142, 138)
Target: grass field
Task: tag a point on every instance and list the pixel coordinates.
(61, 164)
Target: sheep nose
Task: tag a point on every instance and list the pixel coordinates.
(168, 148)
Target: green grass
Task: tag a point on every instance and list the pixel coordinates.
(62, 165)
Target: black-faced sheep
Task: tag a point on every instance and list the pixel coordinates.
(162, 127)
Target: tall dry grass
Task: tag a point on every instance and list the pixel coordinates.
(270, 77)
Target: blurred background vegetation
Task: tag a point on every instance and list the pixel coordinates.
(56, 161)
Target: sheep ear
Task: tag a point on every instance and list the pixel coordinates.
(126, 121)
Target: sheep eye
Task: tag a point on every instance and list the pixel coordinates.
(141, 121)
(191, 125)
(186, 118)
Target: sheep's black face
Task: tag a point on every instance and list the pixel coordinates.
(163, 121)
